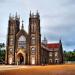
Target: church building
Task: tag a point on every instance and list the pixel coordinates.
(26, 48)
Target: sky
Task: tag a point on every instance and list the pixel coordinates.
(57, 18)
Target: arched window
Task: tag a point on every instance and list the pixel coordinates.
(56, 54)
(50, 60)
(33, 27)
(11, 41)
(33, 40)
(33, 60)
(12, 29)
(33, 50)
(56, 60)
(11, 49)
(50, 54)
(10, 60)
(22, 42)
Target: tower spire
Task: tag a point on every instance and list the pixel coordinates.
(44, 38)
(37, 12)
(44, 41)
(16, 14)
(22, 25)
(60, 40)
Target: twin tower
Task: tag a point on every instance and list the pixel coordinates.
(23, 47)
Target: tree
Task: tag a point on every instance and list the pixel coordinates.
(69, 56)
(2, 53)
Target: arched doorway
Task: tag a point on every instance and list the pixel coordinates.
(20, 59)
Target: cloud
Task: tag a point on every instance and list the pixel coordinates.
(1, 1)
(57, 18)
(61, 24)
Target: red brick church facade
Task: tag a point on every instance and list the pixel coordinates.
(27, 48)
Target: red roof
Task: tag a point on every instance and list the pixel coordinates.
(53, 45)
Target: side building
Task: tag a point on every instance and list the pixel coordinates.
(55, 53)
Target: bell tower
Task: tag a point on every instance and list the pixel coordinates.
(34, 38)
(13, 28)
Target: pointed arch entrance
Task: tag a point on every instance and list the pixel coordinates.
(20, 58)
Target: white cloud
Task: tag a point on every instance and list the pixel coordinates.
(57, 18)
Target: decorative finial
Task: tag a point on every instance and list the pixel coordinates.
(44, 38)
(19, 17)
(10, 16)
(37, 13)
(16, 15)
(13, 17)
(30, 13)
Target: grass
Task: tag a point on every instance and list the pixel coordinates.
(41, 70)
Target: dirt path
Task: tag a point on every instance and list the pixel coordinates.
(38, 70)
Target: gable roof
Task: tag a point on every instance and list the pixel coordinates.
(22, 32)
(53, 45)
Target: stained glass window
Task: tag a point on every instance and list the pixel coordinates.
(22, 42)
